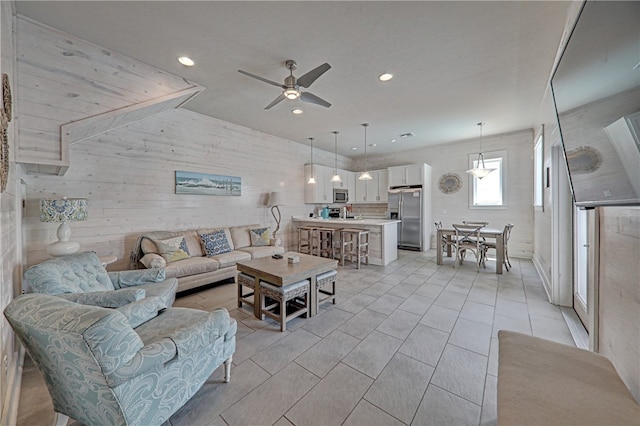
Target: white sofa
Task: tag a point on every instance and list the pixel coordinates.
(202, 268)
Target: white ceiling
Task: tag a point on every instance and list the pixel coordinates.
(454, 63)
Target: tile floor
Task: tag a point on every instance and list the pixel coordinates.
(412, 343)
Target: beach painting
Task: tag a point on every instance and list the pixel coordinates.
(206, 184)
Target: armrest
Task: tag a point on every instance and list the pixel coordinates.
(135, 277)
(201, 334)
(150, 356)
(153, 260)
(142, 311)
(106, 299)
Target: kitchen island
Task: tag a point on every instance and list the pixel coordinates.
(383, 234)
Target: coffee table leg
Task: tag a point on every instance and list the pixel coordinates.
(257, 299)
(313, 295)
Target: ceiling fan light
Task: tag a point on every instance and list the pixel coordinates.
(365, 176)
(291, 94)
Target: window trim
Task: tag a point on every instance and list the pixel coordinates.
(501, 154)
(538, 173)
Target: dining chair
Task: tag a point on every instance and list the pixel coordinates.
(506, 234)
(468, 238)
(444, 242)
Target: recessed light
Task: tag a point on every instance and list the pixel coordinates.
(297, 111)
(393, 141)
(373, 144)
(407, 135)
(186, 61)
(353, 148)
(385, 77)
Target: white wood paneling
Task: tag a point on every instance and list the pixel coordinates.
(64, 79)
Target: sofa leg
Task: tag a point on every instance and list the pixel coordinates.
(227, 369)
(60, 419)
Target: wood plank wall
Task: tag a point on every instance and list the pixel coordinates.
(619, 293)
(63, 78)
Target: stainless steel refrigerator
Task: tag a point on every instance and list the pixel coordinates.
(405, 204)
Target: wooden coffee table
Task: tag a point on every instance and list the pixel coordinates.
(280, 272)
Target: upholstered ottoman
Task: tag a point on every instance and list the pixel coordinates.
(296, 295)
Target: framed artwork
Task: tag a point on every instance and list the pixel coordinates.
(207, 184)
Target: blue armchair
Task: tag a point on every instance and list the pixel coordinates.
(101, 371)
(139, 294)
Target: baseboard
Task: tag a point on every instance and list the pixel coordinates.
(546, 283)
(578, 332)
(14, 381)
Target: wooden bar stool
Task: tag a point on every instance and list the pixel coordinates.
(326, 241)
(307, 239)
(324, 293)
(295, 295)
(248, 281)
(354, 243)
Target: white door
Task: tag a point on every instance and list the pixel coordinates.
(580, 299)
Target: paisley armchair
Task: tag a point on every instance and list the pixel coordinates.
(101, 371)
(138, 294)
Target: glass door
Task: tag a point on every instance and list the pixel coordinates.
(580, 299)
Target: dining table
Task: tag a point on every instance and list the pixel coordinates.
(485, 232)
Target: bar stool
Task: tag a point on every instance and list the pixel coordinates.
(295, 295)
(326, 295)
(326, 241)
(355, 242)
(248, 281)
(307, 237)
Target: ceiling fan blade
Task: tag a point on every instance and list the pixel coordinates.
(263, 79)
(307, 79)
(313, 99)
(275, 101)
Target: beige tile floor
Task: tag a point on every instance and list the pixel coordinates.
(412, 343)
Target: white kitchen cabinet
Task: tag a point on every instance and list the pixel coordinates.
(374, 190)
(412, 174)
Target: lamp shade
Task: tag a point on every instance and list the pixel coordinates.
(63, 210)
(275, 199)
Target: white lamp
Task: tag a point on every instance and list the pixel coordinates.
(478, 171)
(63, 210)
(275, 200)
(365, 175)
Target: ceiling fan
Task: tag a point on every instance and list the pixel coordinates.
(291, 86)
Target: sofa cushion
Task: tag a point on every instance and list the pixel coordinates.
(240, 235)
(230, 259)
(216, 242)
(172, 249)
(258, 252)
(193, 243)
(191, 266)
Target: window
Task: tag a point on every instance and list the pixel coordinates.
(490, 190)
(538, 184)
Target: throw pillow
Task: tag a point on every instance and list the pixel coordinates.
(259, 237)
(215, 243)
(172, 249)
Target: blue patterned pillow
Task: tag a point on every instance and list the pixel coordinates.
(215, 243)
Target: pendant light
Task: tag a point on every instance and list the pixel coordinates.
(336, 176)
(311, 178)
(365, 175)
(477, 170)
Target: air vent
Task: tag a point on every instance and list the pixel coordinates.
(407, 135)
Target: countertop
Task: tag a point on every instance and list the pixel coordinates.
(374, 222)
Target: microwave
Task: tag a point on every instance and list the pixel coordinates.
(340, 195)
